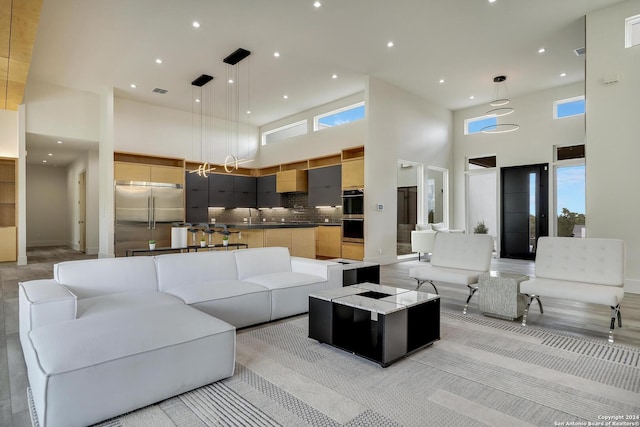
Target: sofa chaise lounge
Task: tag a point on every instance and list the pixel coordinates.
(108, 336)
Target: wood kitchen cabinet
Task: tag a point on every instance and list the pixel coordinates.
(8, 215)
(292, 181)
(329, 242)
(125, 171)
(353, 173)
(299, 241)
(353, 251)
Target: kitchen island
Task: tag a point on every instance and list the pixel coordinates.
(300, 237)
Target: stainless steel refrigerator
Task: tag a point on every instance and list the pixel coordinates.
(145, 211)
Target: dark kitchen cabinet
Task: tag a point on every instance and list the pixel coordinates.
(325, 186)
(221, 193)
(244, 192)
(267, 197)
(196, 198)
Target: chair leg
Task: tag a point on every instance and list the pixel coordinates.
(615, 312)
(526, 310)
(421, 282)
(472, 290)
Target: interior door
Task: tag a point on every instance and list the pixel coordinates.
(525, 197)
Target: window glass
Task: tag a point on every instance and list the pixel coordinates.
(570, 152)
(481, 162)
(568, 107)
(339, 117)
(476, 124)
(284, 132)
(570, 201)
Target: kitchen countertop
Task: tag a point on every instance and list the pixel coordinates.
(268, 225)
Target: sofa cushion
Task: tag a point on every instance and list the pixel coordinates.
(447, 275)
(592, 260)
(175, 270)
(214, 290)
(108, 275)
(462, 251)
(258, 261)
(112, 303)
(284, 280)
(574, 291)
(423, 227)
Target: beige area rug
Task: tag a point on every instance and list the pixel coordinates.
(482, 372)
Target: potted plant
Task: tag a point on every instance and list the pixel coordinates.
(480, 228)
(203, 242)
(225, 240)
(152, 244)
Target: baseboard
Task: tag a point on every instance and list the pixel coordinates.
(92, 250)
(44, 243)
(632, 286)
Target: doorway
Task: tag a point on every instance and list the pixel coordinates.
(525, 210)
(409, 204)
(82, 212)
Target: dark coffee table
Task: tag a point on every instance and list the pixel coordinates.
(380, 323)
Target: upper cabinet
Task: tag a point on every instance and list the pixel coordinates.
(292, 181)
(244, 192)
(221, 191)
(353, 173)
(267, 196)
(141, 168)
(325, 188)
(196, 198)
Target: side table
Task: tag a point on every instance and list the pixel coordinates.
(499, 294)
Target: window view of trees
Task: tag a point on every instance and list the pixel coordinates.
(567, 221)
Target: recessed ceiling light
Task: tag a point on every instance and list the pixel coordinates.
(196, 24)
(276, 54)
(286, 96)
(133, 86)
(230, 80)
(389, 44)
(472, 97)
(542, 50)
(158, 61)
(563, 75)
(59, 142)
(44, 161)
(441, 81)
(50, 154)
(492, 1)
(197, 100)
(317, 4)
(248, 112)
(334, 76)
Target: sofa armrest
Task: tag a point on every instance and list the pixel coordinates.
(328, 270)
(42, 302)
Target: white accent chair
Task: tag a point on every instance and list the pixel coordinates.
(457, 258)
(584, 270)
(423, 237)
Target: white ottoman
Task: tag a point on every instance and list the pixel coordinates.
(88, 370)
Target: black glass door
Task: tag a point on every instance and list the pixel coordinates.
(525, 200)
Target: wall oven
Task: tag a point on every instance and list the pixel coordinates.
(352, 202)
(353, 229)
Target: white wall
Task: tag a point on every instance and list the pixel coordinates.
(401, 125)
(532, 144)
(149, 129)
(47, 206)
(8, 133)
(62, 112)
(613, 146)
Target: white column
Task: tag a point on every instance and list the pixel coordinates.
(105, 181)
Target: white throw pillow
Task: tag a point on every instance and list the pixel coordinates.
(439, 226)
(422, 227)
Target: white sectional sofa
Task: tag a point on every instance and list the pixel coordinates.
(108, 336)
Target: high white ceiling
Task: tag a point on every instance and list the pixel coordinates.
(92, 44)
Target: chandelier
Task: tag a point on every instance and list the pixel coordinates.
(201, 102)
(499, 109)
